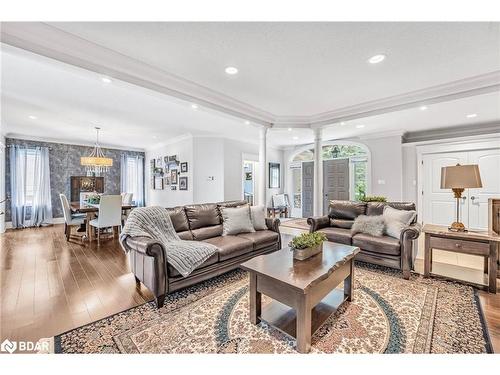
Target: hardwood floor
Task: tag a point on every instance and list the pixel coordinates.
(49, 286)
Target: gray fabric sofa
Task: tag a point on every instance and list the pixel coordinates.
(199, 222)
(386, 251)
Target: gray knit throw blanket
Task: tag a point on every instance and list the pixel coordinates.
(155, 223)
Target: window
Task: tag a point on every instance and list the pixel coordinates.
(133, 178)
(274, 175)
(30, 187)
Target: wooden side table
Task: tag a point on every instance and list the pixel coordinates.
(480, 243)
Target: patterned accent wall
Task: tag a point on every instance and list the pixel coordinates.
(64, 161)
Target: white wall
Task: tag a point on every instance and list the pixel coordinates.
(208, 166)
(169, 198)
(208, 157)
(387, 166)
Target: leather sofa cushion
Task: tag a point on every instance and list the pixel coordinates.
(261, 238)
(339, 235)
(231, 246)
(202, 215)
(207, 232)
(341, 223)
(383, 245)
(186, 235)
(347, 210)
(172, 272)
(377, 208)
(179, 218)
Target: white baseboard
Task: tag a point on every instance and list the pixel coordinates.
(56, 220)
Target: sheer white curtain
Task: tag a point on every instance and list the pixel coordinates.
(132, 177)
(30, 186)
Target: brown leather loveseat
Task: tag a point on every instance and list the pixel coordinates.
(386, 251)
(198, 222)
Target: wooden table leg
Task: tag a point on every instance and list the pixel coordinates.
(349, 282)
(88, 227)
(427, 255)
(304, 325)
(255, 300)
(492, 269)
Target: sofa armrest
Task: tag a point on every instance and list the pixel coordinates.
(408, 235)
(273, 224)
(143, 245)
(318, 222)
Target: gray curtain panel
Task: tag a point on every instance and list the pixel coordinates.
(30, 186)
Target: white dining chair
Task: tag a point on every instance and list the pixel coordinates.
(110, 214)
(127, 198)
(70, 220)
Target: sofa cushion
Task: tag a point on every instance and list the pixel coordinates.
(186, 235)
(261, 238)
(258, 216)
(339, 235)
(214, 258)
(207, 232)
(179, 218)
(236, 220)
(347, 210)
(383, 245)
(231, 246)
(397, 220)
(341, 223)
(202, 215)
(377, 208)
(373, 225)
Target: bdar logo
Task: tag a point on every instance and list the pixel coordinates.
(8, 346)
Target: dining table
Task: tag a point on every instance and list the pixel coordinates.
(90, 210)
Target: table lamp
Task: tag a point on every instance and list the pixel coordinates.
(457, 178)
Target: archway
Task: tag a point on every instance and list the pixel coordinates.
(354, 157)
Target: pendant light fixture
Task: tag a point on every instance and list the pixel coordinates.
(96, 162)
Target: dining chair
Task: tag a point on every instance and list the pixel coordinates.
(70, 220)
(126, 201)
(110, 214)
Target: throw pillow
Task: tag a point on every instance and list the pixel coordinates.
(258, 217)
(373, 225)
(397, 220)
(236, 220)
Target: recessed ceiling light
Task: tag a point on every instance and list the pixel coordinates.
(342, 123)
(194, 106)
(289, 129)
(295, 138)
(376, 59)
(423, 108)
(247, 122)
(360, 126)
(106, 79)
(231, 70)
(472, 115)
(32, 117)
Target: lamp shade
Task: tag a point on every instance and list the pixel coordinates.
(460, 177)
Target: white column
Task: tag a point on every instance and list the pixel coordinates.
(261, 180)
(318, 173)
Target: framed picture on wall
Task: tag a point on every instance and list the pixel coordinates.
(173, 176)
(184, 167)
(158, 183)
(274, 175)
(183, 183)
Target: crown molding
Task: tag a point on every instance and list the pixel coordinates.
(49, 41)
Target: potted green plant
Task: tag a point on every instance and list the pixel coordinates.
(373, 198)
(307, 244)
(94, 199)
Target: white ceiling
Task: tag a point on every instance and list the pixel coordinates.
(284, 68)
(303, 69)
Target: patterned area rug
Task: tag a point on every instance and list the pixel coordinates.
(388, 315)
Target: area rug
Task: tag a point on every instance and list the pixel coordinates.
(388, 315)
(295, 223)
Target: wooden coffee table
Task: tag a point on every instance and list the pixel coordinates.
(303, 292)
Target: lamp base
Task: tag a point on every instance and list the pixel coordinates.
(457, 227)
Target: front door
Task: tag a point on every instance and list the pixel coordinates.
(335, 181)
(307, 189)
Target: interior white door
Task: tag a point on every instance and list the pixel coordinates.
(439, 205)
(489, 168)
